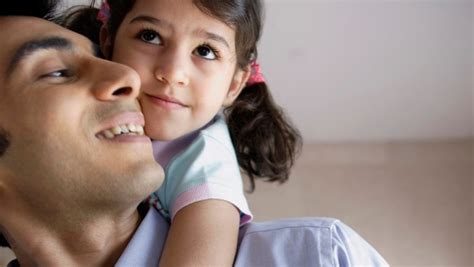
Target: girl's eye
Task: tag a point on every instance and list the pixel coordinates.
(150, 36)
(64, 73)
(206, 52)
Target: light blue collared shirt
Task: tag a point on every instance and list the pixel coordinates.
(290, 242)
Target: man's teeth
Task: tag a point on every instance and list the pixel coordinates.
(122, 129)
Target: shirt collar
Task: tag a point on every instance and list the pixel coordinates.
(146, 245)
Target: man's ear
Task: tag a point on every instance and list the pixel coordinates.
(238, 83)
(105, 42)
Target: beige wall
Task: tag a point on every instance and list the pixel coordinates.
(411, 201)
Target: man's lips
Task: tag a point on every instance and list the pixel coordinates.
(165, 101)
(129, 123)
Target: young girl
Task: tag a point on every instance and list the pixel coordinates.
(206, 107)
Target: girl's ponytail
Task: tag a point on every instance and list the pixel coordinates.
(265, 140)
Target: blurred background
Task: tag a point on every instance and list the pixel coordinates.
(382, 91)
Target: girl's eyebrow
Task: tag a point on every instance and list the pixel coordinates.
(149, 19)
(213, 36)
(203, 33)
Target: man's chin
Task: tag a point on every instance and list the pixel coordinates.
(148, 181)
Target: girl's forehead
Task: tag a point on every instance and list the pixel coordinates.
(180, 17)
(177, 12)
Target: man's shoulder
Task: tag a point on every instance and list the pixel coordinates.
(304, 242)
(314, 232)
(319, 223)
(286, 242)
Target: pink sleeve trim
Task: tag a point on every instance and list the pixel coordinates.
(214, 191)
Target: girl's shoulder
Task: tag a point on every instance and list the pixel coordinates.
(217, 126)
(215, 135)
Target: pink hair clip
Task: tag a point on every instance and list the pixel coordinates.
(256, 75)
(104, 12)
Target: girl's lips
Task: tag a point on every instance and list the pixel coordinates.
(165, 101)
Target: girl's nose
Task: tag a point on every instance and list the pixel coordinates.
(171, 68)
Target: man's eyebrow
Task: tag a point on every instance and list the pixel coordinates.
(33, 46)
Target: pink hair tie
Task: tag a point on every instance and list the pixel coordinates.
(104, 12)
(256, 75)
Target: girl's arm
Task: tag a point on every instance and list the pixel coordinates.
(203, 234)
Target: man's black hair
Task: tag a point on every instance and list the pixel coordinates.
(32, 8)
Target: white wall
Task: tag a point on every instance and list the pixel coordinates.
(372, 70)
(472, 125)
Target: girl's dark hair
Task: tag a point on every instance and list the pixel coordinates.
(265, 140)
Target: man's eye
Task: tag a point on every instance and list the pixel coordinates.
(150, 36)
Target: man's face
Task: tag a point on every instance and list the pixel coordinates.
(59, 104)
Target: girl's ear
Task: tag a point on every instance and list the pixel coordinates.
(105, 42)
(238, 83)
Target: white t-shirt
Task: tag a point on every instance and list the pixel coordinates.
(205, 168)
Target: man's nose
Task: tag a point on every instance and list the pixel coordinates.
(114, 81)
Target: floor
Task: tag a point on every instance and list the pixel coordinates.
(413, 201)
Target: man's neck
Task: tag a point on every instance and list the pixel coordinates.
(97, 242)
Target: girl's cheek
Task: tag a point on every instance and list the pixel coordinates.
(140, 103)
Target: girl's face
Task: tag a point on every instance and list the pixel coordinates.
(186, 61)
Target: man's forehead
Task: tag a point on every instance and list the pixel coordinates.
(17, 30)
(24, 27)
